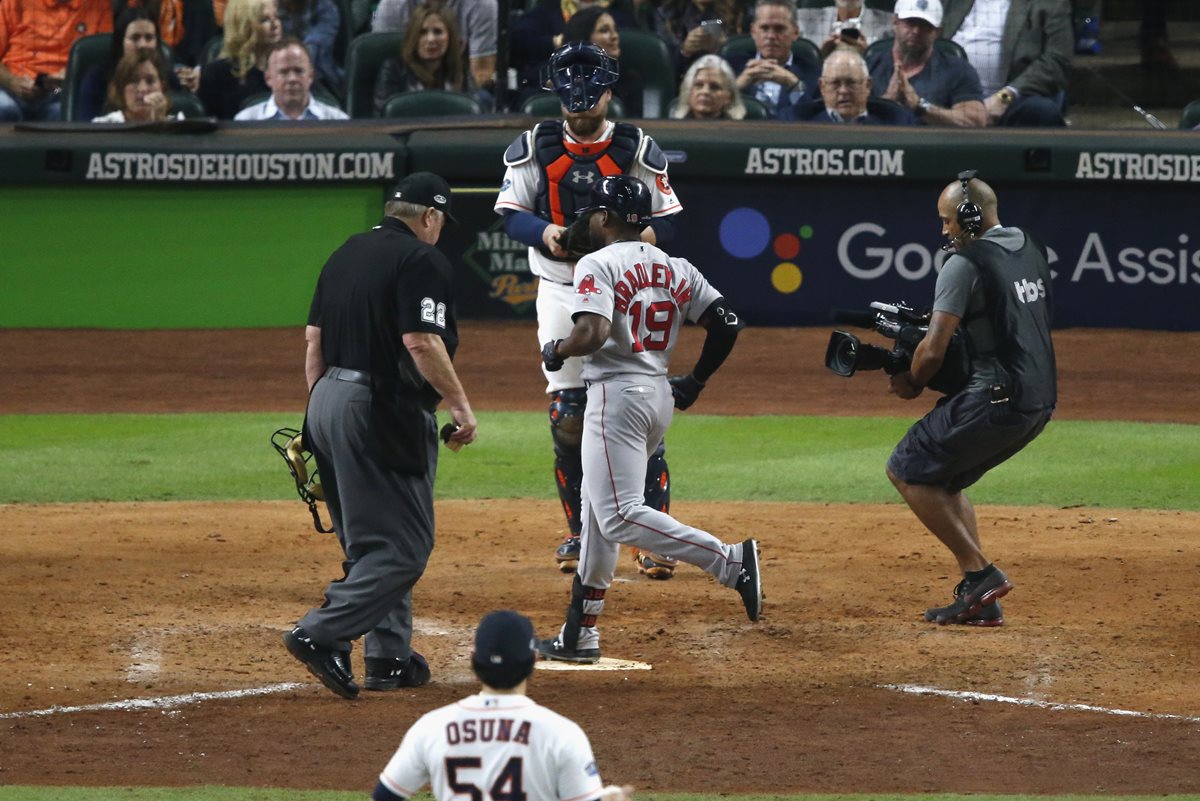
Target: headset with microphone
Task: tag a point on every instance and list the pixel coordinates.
(970, 216)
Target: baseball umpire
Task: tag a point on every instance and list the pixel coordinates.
(997, 287)
(498, 743)
(631, 299)
(381, 339)
(549, 171)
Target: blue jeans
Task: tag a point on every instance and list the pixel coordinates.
(14, 109)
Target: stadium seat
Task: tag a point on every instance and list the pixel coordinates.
(754, 109)
(363, 58)
(431, 103)
(947, 46)
(1191, 116)
(647, 56)
(212, 50)
(188, 103)
(803, 50)
(883, 5)
(547, 106)
(87, 52)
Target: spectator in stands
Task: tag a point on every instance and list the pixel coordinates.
(477, 21)
(846, 24)
(538, 32)
(677, 22)
(290, 75)
(167, 15)
(185, 26)
(137, 90)
(845, 86)
(136, 29)
(1022, 52)
(773, 76)
(429, 58)
(939, 89)
(594, 24)
(251, 30)
(709, 92)
(35, 41)
(315, 23)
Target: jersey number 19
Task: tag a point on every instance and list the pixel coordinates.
(657, 321)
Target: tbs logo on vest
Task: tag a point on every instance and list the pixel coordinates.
(1028, 292)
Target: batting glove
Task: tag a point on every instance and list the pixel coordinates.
(550, 359)
(685, 389)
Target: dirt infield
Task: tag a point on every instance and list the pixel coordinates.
(112, 602)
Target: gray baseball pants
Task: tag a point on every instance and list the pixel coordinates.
(384, 522)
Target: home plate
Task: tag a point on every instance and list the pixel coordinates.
(604, 664)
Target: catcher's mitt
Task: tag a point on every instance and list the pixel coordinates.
(577, 239)
(289, 443)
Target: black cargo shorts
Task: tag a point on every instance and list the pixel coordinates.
(963, 437)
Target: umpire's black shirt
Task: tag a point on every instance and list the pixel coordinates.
(375, 288)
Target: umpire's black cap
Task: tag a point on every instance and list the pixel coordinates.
(505, 649)
(425, 189)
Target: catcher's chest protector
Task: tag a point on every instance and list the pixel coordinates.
(569, 169)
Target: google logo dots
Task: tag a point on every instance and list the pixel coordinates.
(746, 234)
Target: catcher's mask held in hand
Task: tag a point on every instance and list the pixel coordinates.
(289, 443)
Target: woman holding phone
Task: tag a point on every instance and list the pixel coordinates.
(693, 28)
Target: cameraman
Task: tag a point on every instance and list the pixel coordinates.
(998, 286)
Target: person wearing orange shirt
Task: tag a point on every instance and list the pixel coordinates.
(35, 39)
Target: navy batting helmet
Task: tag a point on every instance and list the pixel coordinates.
(623, 194)
(579, 73)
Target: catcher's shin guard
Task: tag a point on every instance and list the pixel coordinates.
(658, 496)
(566, 429)
(586, 605)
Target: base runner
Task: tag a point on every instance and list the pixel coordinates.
(630, 300)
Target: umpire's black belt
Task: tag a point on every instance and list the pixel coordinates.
(353, 376)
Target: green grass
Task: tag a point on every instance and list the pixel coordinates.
(66, 458)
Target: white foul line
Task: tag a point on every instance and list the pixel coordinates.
(964, 695)
(167, 702)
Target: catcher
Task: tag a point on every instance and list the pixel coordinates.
(549, 172)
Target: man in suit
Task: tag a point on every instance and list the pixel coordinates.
(845, 87)
(773, 76)
(1022, 52)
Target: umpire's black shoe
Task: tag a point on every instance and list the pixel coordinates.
(391, 674)
(330, 666)
(567, 554)
(554, 649)
(970, 598)
(749, 583)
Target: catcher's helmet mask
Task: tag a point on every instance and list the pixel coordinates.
(623, 195)
(580, 73)
(289, 443)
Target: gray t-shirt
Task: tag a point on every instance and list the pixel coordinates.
(959, 292)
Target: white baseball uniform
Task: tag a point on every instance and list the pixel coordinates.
(519, 192)
(646, 295)
(501, 747)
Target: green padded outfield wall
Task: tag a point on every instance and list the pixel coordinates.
(171, 257)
